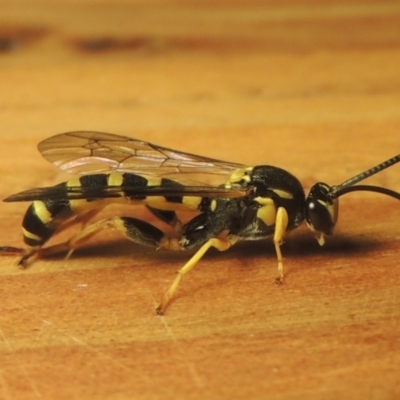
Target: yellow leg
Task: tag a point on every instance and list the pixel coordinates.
(281, 223)
(31, 254)
(82, 219)
(88, 232)
(220, 244)
(135, 230)
(76, 241)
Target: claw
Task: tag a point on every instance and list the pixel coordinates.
(23, 262)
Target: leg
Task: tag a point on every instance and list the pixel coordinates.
(134, 229)
(26, 254)
(168, 217)
(82, 218)
(281, 224)
(31, 253)
(220, 244)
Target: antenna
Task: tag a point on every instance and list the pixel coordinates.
(348, 186)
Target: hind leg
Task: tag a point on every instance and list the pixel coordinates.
(134, 229)
(30, 254)
(167, 216)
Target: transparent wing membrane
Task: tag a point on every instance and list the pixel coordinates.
(96, 152)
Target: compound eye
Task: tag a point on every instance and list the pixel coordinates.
(321, 210)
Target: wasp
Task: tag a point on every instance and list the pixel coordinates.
(229, 202)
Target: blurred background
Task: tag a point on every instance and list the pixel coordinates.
(162, 69)
(312, 86)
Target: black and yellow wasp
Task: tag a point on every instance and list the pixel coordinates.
(249, 203)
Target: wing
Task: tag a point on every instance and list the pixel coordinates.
(84, 152)
(63, 193)
(95, 152)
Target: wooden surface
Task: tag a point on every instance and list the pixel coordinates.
(312, 87)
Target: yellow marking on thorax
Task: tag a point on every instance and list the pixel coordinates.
(263, 200)
(241, 174)
(283, 194)
(267, 211)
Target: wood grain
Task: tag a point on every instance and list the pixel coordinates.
(308, 86)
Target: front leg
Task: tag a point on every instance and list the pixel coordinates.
(281, 224)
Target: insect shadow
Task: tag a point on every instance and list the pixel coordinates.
(298, 245)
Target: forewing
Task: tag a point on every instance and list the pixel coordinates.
(65, 193)
(95, 152)
(84, 152)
